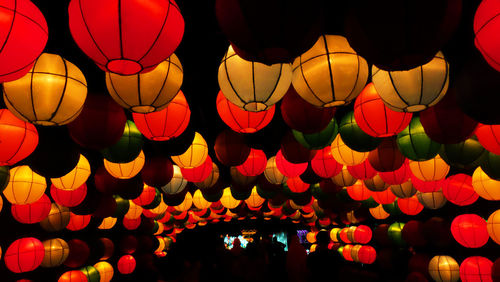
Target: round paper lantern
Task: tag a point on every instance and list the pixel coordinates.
(252, 86)
(287, 168)
(91, 273)
(493, 226)
(358, 191)
(344, 178)
(78, 222)
(444, 269)
(293, 151)
(464, 155)
(57, 219)
(345, 155)
(200, 173)
(458, 190)
(125, 170)
(56, 252)
(51, 93)
(106, 271)
(410, 206)
(362, 171)
(469, 230)
(485, 186)
(211, 179)
(255, 164)
(129, 40)
(362, 234)
(199, 201)
(127, 148)
(166, 123)
(134, 211)
(398, 176)
(487, 136)
(427, 186)
(67, 198)
(176, 184)
(367, 255)
(126, 264)
(254, 200)
(230, 148)
(158, 171)
(318, 140)
(415, 144)
(32, 213)
(24, 255)
(25, 186)
(330, 73)
(324, 165)
(386, 157)
(296, 185)
(476, 268)
(376, 184)
(394, 233)
(379, 213)
(195, 155)
(19, 138)
(74, 179)
(272, 173)
(384, 197)
(240, 179)
(100, 123)
(227, 199)
(73, 276)
(413, 90)
(485, 24)
(147, 92)
(432, 200)
(430, 170)
(403, 190)
(147, 196)
(354, 137)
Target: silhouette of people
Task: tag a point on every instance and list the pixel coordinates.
(323, 263)
(296, 260)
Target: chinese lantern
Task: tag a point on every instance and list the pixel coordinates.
(410, 206)
(158, 171)
(413, 90)
(486, 24)
(74, 179)
(430, 170)
(367, 254)
(376, 184)
(91, 273)
(344, 178)
(32, 213)
(386, 157)
(254, 200)
(354, 137)
(345, 155)
(200, 173)
(57, 219)
(485, 186)
(394, 233)
(51, 93)
(73, 276)
(272, 173)
(211, 180)
(384, 197)
(230, 148)
(375, 118)
(79, 252)
(324, 165)
(227, 199)
(107, 223)
(296, 185)
(358, 191)
(487, 136)
(129, 40)
(252, 86)
(398, 176)
(427, 186)
(106, 271)
(199, 201)
(293, 151)
(469, 230)
(444, 269)
(458, 190)
(166, 123)
(467, 154)
(362, 171)
(128, 146)
(176, 184)
(330, 73)
(415, 144)
(476, 268)
(403, 190)
(56, 251)
(255, 164)
(19, 138)
(432, 200)
(379, 213)
(287, 168)
(134, 211)
(493, 226)
(24, 255)
(146, 197)
(67, 198)
(195, 155)
(125, 170)
(318, 140)
(362, 234)
(78, 222)
(25, 186)
(490, 166)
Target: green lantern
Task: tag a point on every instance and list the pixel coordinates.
(341, 250)
(392, 208)
(491, 165)
(92, 273)
(395, 235)
(369, 203)
(318, 140)
(156, 201)
(354, 137)
(415, 144)
(212, 197)
(464, 155)
(127, 148)
(4, 177)
(156, 227)
(122, 206)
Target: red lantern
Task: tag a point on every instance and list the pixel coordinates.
(489, 137)
(362, 171)
(362, 234)
(296, 184)
(126, 264)
(78, 222)
(167, 123)
(485, 26)
(375, 118)
(157, 171)
(426, 186)
(367, 255)
(398, 176)
(147, 196)
(287, 168)
(126, 37)
(469, 230)
(255, 164)
(384, 197)
(386, 157)
(23, 38)
(410, 206)
(293, 151)
(324, 165)
(198, 174)
(19, 138)
(73, 276)
(458, 190)
(343, 235)
(131, 223)
(476, 269)
(32, 213)
(240, 120)
(68, 198)
(230, 148)
(346, 252)
(24, 254)
(358, 191)
(79, 252)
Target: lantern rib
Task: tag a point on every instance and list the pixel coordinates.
(396, 90)
(329, 67)
(63, 90)
(224, 61)
(120, 29)
(159, 33)
(20, 143)
(14, 14)
(355, 82)
(301, 65)
(163, 85)
(116, 92)
(275, 85)
(89, 33)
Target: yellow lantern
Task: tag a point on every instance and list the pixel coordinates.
(430, 170)
(444, 269)
(333, 234)
(195, 155)
(413, 90)
(403, 190)
(57, 219)
(186, 204)
(147, 92)
(432, 200)
(161, 208)
(485, 186)
(254, 200)
(227, 199)
(105, 270)
(272, 174)
(125, 170)
(56, 252)
(378, 212)
(211, 179)
(161, 244)
(134, 211)
(311, 237)
(376, 183)
(344, 178)
(75, 178)
(161, 228)
(312, 249)
(345, 155)
(330, 73)
(176, 184)
(51, 93)
(107, 223)
(199, 201)
(493, 226)
(253, 86)
(25, 186)
(1, 207)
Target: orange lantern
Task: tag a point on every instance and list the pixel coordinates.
(324, 165)
(493, 226)
(485, 186)
(378, 212)
(345, 155)
(410, 206)
(78, 222)
(25, 186)
(255, 164)
(358, 191)
(384, 197)
(195, 155)
(75, 178)
(433, 169)
(19, 138)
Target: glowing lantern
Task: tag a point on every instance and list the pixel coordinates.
(485, 186)
(410, 206)
(354, 137)
(78, 222)
(415, 144)
(324, 165)
(200, 173)
(433, 169)
(426, 186)
(212, 178)
(51, 93)
(57, 219)
(398, 176)
(127, 147)
(367, 255)
(358, 191)
(125, 170)
(106, 271)
(25, 186)
(176, 184)
(146, 197)
(318, 140)
(167, 123)
(344, 178)
(73, 276)
(131, 224)
(346, 252)
(134, 211)
(488, 137)
(255, 164)
(376, 184)
(107, 223)
(296, 185)
(252, 86)
(126, 264)
(476, 268)
(379, 213)
(24, 254)
(330, 73)
(91, 273)
(444, 269)
(254, 200)
(19, 138)
(362, 234)
(272, 173)
(345, 155)
(458, 190)
(68, 198)
(195, 155)
(32, 213)
(386, 157)
(415, 89)
(493, 226)
(432, 200)
(186, 203)
(404, 190)
(362, 171)
(76, 178)
(227, 199)
(56, 252)
(384, 197)
(469, 230)
(486, 24)
(287, 168)
(394, 233)
(199, 201)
